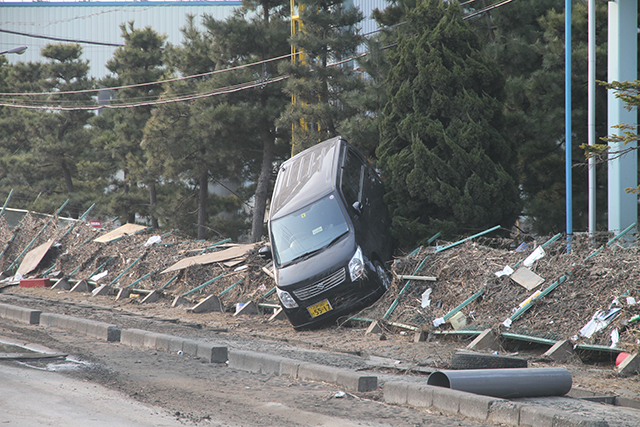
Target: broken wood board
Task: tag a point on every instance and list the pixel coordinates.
(226, 255)
(119, 232)
(234, 262)
(527, 278)
(33, 258)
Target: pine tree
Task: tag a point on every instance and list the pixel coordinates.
(140, 61)
(200, 140)
(443, 154)
(54, 140)
(258, 32)
(328, 35)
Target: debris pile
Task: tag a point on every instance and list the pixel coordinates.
(589, 295)
(133, 257)
(594, 280)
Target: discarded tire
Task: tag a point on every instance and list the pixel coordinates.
(485, 361)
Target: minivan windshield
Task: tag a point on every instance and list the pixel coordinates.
(308, 230)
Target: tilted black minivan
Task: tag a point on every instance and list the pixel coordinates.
(329, 233)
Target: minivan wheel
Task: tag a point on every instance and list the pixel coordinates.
(382, 275)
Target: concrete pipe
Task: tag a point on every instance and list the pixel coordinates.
(506, 383)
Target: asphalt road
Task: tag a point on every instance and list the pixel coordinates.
(102, 383)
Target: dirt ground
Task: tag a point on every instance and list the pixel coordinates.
(194, 392)
(395, 353)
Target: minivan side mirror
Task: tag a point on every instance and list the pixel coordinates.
(358, 207)
(265, 252)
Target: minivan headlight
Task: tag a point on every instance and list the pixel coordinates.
(356, 265)
(286, 299)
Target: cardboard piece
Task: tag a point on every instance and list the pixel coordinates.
(458, 320)
(527, 278)
(119, 232)
(33, 258)
(226, 255)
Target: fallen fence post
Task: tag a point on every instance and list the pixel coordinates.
(453, 312)
(213, 245)
(208, 282)
(231, 287)
(123, 273)
(74, 271)
(434, 237)
(97, 270)
(170, 281)
(613, 239)
(467, 239)
(268, 294)
(6, 202)
(13, 236)
(141, 279)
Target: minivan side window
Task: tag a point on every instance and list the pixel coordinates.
(352, 177)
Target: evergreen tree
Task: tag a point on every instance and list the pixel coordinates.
(257, 32)
(528, 45)
(327, 36)
(200, 140)
(62, 135)
(16, 134)
(443, 154)
(362, 129)
(54, 140)
(140, 61)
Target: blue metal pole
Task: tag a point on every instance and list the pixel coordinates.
(567, 118)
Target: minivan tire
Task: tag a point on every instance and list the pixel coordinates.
(382, 275)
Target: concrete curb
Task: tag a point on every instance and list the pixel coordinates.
(100, 330)
(480, 407)
(144, 339)
(19, 314)
(277, 365)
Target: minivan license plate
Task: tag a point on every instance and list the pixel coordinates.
(317, 309)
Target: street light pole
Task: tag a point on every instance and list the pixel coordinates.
(17, 50)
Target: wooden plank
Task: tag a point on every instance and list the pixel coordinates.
(226, 255)
(33, 257)
(119, 232)
(234, 262)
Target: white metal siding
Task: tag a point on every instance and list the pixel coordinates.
(96, 21)
(100, 22)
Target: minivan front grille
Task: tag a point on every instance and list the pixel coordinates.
(319, 287)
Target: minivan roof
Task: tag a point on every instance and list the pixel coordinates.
(305, 177)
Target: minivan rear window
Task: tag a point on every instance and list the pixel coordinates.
(308, 230)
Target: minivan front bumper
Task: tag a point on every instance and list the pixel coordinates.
(343, 298)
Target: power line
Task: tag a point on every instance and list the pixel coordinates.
(180, 98)
(239, 67)
(60, 39)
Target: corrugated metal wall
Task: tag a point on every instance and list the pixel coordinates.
(98, 22)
